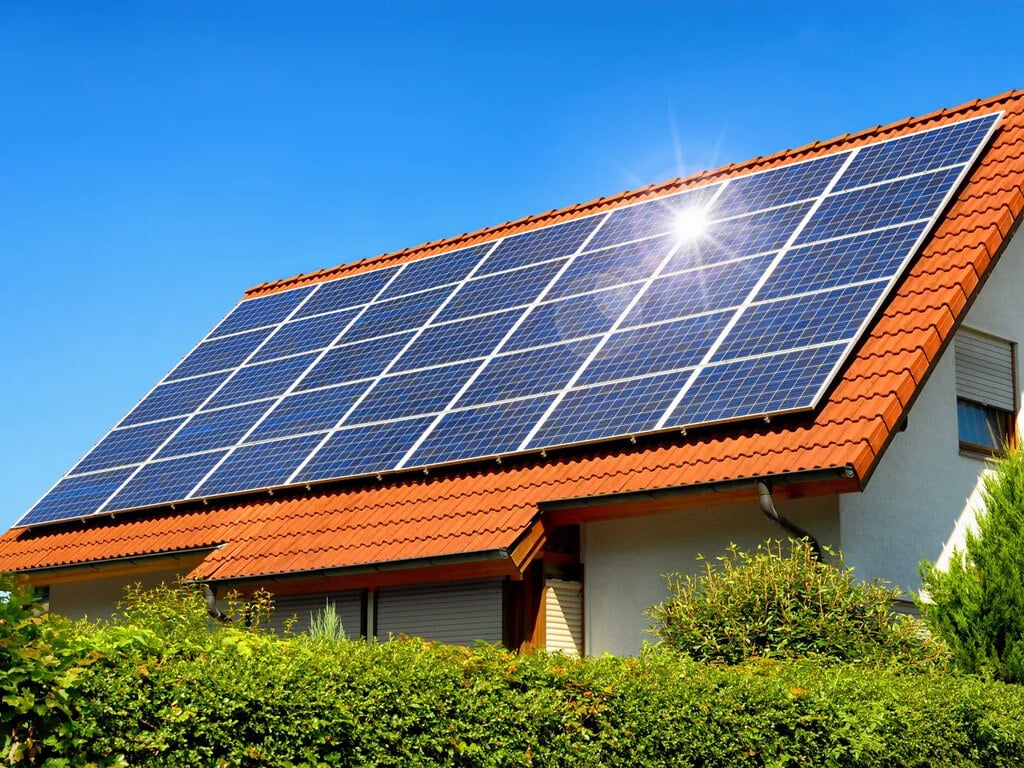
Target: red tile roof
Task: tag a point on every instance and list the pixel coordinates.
(485, 508)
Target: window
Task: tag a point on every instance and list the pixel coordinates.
(41, 595)
(986, 392)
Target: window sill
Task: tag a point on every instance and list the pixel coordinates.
(981, 453)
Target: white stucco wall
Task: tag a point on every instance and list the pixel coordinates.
(97, 598)
(921, 498)
(624, 560)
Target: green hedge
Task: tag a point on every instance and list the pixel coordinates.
(781, 602)
(153, 692)
(249, 700)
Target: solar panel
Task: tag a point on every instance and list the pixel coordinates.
(598, 327)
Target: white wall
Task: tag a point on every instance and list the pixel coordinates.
(624, 560)
(922, 496)
(97, 598)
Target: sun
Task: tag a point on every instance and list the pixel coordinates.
(689, 224)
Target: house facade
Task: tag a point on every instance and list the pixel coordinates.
(567, 548)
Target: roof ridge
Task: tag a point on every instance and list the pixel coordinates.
(630, 195)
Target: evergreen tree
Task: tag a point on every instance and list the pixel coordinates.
(977, 603)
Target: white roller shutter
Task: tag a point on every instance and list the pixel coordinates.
(303, 607)
(984, 370)
(459, 613)
(563, 616)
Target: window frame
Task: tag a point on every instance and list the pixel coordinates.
(1008, 419)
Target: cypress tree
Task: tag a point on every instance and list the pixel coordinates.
(977, 604)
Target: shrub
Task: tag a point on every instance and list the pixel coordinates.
(175, 612)
(326, 624)
(40, 662)
(977, 603)
(781, 602)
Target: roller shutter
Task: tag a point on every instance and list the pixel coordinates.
(984, 370)
(459, 613)
(563, 616)
(303, 607)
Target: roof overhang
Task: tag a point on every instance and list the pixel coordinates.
(511, 562)
(789, 485)
(183, 560)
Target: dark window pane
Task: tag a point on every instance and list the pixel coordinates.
(980, 425)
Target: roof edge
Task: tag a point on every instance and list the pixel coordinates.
(801, 477)
(634, 195)
(96, 566)
(388, 566)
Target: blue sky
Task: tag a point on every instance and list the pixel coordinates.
(156, 159)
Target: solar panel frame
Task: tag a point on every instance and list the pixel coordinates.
(589, 235)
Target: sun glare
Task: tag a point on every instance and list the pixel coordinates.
(690, 223)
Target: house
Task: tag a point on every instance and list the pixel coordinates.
(565, 546)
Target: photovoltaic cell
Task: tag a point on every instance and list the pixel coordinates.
(219, 354)
(459, 340)
(347, 376)
(435, 271)
(851, 259)
(812, 319)
(540, 245)
(552, 322)
(131, 445)
(305, 335)
(412, 394)
(595, 270)
(740, 236)
(699, 290)
(263, 465)
(352, 362)
(546, 369)
(406, 313)
(78, 496)
(176, 398)
(160, 481)
(895, 202)
(655, 217)
(266, 310)
(365, 449)
(620, 408)
(346, 292)
(260, 381)
(655, 348)
(315, 411)
(213, 429)
(478, 432)
(778, 186)
(755, 387)
(507, 289)
(917, 152)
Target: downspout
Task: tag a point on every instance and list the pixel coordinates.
(211, 604)
(764, 497)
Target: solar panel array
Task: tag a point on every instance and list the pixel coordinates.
(610, 325)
